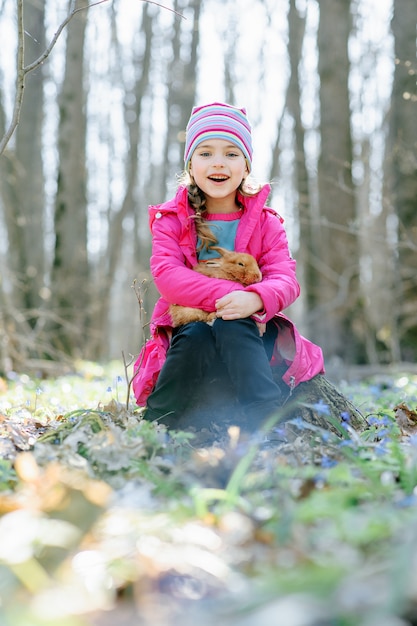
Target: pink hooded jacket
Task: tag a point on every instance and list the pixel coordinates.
(260, 233)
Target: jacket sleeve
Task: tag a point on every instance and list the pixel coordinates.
(174, 279)
(279, 286)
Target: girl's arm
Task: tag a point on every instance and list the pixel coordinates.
(279, 286)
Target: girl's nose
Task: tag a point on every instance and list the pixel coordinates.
(218, 160)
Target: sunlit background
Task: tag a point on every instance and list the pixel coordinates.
(240, 55)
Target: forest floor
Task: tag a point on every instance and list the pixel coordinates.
(107, 520)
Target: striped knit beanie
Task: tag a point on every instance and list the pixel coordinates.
(218, 121)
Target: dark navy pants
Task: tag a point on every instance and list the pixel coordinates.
(229, 353)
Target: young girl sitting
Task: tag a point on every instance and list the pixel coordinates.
(250, 339)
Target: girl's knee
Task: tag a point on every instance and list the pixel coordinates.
(196, 335)
(234, 329)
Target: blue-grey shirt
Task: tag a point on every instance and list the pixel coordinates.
(224, 227)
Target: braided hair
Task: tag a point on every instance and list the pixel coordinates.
(197, 201)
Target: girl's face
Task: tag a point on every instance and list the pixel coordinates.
(218, 167)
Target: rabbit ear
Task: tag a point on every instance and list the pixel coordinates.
(222, 251)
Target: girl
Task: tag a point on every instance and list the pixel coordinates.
(251, 349)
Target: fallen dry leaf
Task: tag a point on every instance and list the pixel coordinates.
(406, 419)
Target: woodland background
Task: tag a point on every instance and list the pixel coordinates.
(330, 89)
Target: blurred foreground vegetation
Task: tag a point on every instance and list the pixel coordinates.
(105, 519)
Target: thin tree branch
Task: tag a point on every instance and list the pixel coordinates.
(20, 79)
(22, 71)
(55, 38)
(162, 6)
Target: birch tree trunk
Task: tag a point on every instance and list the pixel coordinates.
(70, 272)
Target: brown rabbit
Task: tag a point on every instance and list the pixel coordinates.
(237, 266)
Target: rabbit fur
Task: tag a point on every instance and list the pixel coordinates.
(238, 266)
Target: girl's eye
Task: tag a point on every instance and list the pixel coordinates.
(232, 154)
(204, 154)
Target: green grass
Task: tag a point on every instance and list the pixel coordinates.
(101, 511)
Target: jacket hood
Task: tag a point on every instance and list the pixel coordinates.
(178, 204)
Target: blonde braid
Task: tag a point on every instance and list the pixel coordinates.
(198, 202)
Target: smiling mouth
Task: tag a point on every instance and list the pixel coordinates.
(218, 179)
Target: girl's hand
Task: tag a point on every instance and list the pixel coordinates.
(238, 304)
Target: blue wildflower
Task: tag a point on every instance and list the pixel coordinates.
(299, 422)
(321, 407)
(383, 432)
(381, 449)
(379, 421)
(345, 443)
(279, 430)
(326, 461)
(375, 389)
(385, 421)
(407, 501)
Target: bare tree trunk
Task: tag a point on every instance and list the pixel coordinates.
(377, 272)
(133, 116)
(230, 60)
(29, 175)
(21, 172)
(23, 201)
(337, 268)
(70, 273)
(181, 91)
(401, 168)
(307, 252)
